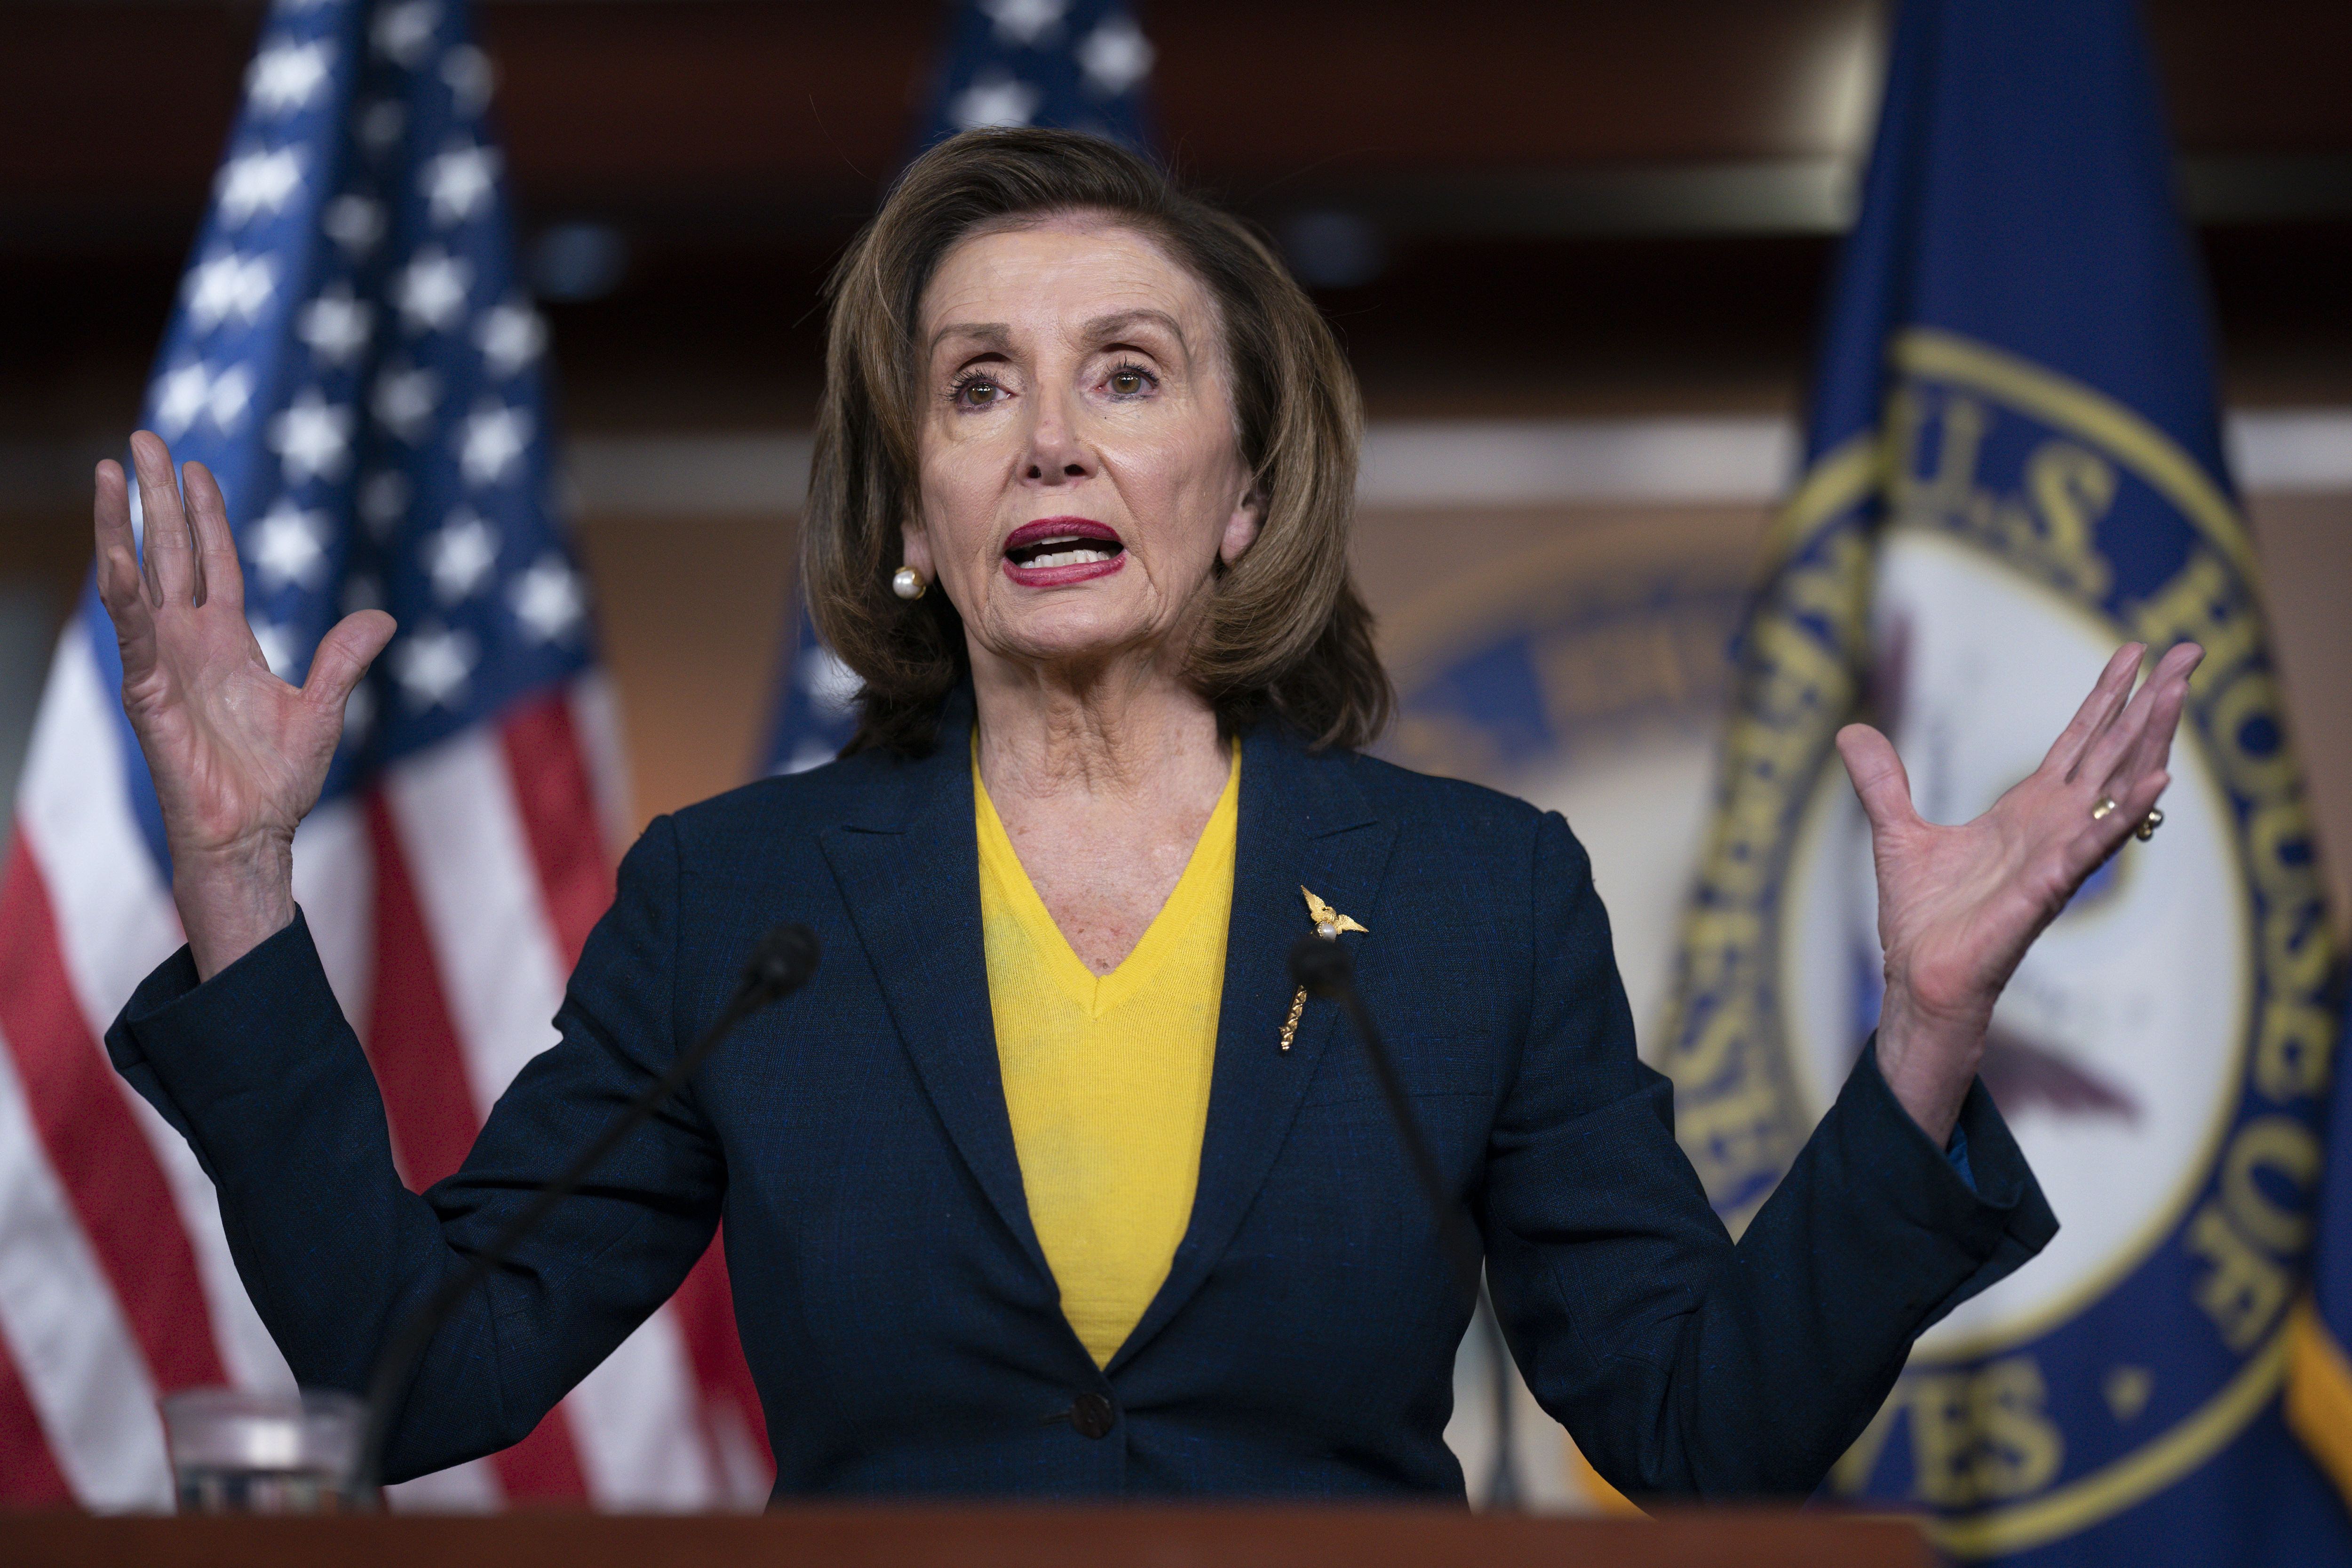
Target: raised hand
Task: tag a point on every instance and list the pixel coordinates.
(1957, 907)
(238, 756)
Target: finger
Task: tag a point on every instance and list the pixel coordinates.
(120, 587)
(1878, 775)
(2140, 777)
(170, 559)
(2106, 763)
(2101, 838)
(2107, 700)
(219, 574)
(112, 539)
(2099, 761)
(344, 655)
(2166, 692)
(2115, 736)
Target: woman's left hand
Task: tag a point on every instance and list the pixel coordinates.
(1957, 907)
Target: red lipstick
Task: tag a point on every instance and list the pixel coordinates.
(1079, 549)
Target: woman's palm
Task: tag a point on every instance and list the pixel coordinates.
(1961, 904)
(1957, 907)
(237, 755)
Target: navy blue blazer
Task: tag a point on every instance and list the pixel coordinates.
(898, 1314)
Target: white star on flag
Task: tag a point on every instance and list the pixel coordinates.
(312, 436)
(510, 336)
(492, 441)
(547, 598)
(383, 496)
(1116, 56)
(335, 325)
(994, 99)
(831, 684)
(192, 390)
(180, 395)
(1024, 21)
(284, 76)
(285, 547)
(431, 290)
(229, 285)
(259, 182)
(276, 648)
(433, 665)
(467, 71)
(404, 402)
(382, 123)
(403, 32)
(460, 555)
(354, 223)
(457, 183)
(831, 687)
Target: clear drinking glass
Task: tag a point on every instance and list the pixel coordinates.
(234, 1452)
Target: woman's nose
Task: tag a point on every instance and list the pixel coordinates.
(1055, 453)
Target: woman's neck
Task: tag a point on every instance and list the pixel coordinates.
(1103, 782)
(1114, 736)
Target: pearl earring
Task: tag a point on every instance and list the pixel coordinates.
(907, 583)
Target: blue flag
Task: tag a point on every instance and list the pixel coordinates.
(2319, 1370)
(2014, 464)
(1083, 65)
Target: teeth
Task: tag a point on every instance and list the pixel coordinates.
(1071, 558)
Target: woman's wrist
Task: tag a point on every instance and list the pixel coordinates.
(232, 900)
(1929, 1060)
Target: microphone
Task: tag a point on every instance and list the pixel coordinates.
(780, 963)
(1321, 967)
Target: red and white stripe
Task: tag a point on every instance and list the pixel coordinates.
(448, 902)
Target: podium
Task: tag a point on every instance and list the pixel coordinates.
(924, 1536)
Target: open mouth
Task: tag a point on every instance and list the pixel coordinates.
(1054, 550)
(1065, 552)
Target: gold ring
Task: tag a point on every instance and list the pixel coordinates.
(2104, 805)
(2148, 825)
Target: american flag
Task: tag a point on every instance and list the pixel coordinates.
(1082, 64)
(354, 356)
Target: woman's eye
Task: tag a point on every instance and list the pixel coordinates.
(1127, 382)
(978, 394)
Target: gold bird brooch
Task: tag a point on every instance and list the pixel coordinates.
(1329, 923)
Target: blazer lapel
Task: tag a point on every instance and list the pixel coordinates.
(1303, 822)
(908, 869)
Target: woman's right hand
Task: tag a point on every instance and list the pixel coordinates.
(238, 756)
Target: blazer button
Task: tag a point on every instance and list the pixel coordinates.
(1093, 1414)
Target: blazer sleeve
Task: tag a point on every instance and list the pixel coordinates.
(1683, 1363)
(259, 1071)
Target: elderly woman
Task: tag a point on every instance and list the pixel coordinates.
(1049, 1182)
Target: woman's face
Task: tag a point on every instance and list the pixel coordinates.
(1079, 473)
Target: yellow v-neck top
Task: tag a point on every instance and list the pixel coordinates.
(1106, 1077)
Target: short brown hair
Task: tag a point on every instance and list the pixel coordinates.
(1286, 633)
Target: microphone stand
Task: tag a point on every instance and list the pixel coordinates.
(1502, 1486)
(780, 964)
(1321, 966)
